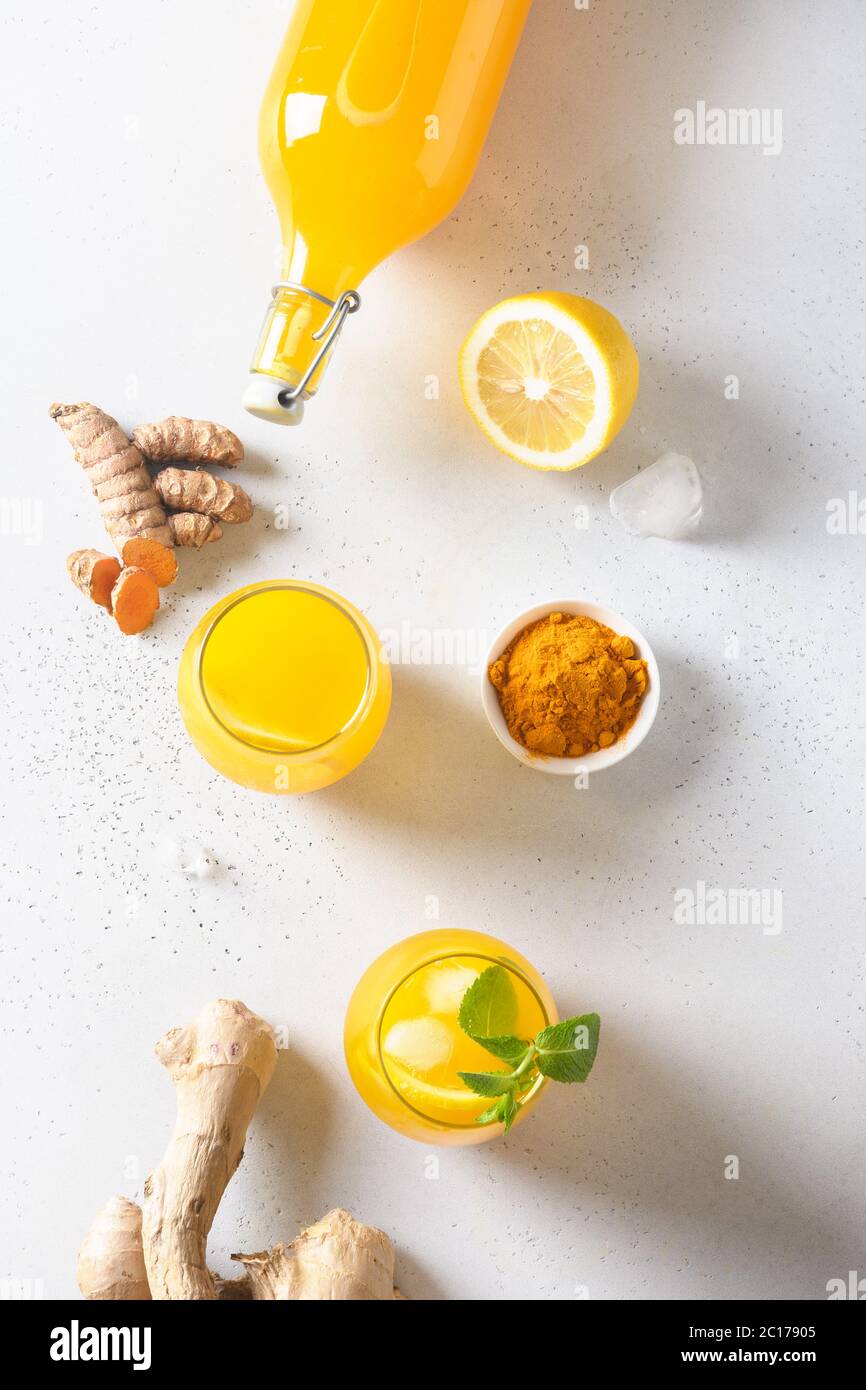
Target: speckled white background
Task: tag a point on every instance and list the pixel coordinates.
(139, 246)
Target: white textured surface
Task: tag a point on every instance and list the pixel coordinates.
(139, 247)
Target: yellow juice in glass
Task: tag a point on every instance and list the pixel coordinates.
(404, 1045)
(283, 687)
(372, 124)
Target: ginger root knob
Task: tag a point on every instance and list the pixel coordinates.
(337, 1259)
(111, 1261)
(220, 1065)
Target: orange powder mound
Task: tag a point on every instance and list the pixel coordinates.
(568, 685)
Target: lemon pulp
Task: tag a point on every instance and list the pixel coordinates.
(550, 378)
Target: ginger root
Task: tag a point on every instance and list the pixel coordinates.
(153, 556)
(134, 600)
(95, 574)
(111, 1259)
(189, 441)
(220, 1065)
(194, 490)
(193, 530)
(117, 472)
(337, 1258)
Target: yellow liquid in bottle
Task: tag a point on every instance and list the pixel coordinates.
(371, 127)
(405, 1046)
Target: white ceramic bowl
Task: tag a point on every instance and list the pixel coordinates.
(590, 762)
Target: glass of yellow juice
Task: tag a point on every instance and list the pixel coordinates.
(405, 1047)
(283, 687)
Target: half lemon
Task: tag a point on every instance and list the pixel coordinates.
(550, 378)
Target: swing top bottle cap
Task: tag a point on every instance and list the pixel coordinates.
(299, 332)
(271, 399)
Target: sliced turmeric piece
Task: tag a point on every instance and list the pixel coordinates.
(153, 556)
(134, 600)
(96, 574)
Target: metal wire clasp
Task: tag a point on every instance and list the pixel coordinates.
(348, 303)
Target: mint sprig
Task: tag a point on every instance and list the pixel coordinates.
(563, 1051)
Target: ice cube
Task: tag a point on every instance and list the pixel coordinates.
(419, 1043)
(184, 857)
(663, 500)
(445, 984)
(198, 862)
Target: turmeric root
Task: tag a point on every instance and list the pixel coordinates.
(190, 441)
(95, 574)
(220, 1066)
(194, 490)
(193, 530)
(153, 556)
(117, 473)
(134, 600)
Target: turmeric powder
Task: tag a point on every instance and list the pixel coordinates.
(568, 685)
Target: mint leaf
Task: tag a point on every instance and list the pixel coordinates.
(507, 1108)
(487, 1083)
(507, 1049)
(502, 1112)
(566, 1051)
(489, 1006)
